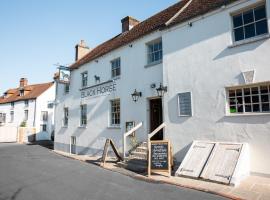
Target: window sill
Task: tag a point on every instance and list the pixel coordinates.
(153, 64)
(116, 77)
(64, 126)
(114, 127)
(250, 40)
(247, 114)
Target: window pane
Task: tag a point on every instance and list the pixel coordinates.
(248, 108)
(232, 109)
(239, 34)
(265, 107)
(264, 89)
(248, 17)
(240, 108)
(231, 93)
(260, 13)
(261, 27)
(256, 108)
(265, 98)
(247, 99)
(239, 92)
(239, 100)
(237, 21)
(249, 31)
(255, 99)
(247, 91)
(254, 90)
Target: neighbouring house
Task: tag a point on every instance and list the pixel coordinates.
(30, 106)
(201, 67)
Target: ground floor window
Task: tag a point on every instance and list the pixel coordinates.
(249, 99)
(65, 123)
(115, 112)
(43, 127)
(83, 121)
(2, 118)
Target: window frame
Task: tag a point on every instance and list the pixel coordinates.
(191, 104)
(250, 96)
(83, 118)
(26, 115)
(115, 115)
(242, 11)
(148, 53)
(114, 69)
(12, 105)
(67, 88)
(65, 118)
(42, 127)
(84, 80)
(42, 116)
(12, 114)
(26, 103)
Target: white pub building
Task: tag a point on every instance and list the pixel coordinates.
(200, 67)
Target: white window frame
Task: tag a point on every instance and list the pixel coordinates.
(26, 103)
(12, 113)
(243, 96)
(84, 80)
(148, 52)
(42, 127)
(191, 104)
(114, 69)
(66, 88)
(83, 122)
(44, 116)
(112, 118)
(241, 11)
(26, 115)
(65, 117)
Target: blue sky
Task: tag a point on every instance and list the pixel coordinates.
(35, 34)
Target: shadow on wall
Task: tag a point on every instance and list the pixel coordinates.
(181, 154)
(238, 49)
(173, 111)
(245, 119)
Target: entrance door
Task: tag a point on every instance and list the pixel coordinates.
(156, 117)
(73, 145)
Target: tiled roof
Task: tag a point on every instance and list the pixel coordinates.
(196, 8)
(31, 92)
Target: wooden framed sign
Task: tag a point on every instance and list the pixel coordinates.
(159, 158)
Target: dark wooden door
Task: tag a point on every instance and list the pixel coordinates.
(156, 118)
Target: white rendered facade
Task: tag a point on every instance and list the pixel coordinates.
(201, 59)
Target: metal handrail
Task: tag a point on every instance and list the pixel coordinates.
(127, 134)
(161, 126)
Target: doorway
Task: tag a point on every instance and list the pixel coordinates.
(73, 145)
(156, 117)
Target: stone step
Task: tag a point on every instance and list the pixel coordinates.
(135, 165)
(143, 144)
(142, 155)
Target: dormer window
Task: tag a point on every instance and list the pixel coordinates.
(21, 92)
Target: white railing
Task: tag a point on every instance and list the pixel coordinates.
(161, 126)
(125, 137)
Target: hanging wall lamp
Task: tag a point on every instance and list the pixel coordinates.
(161, 90)
(135, 95)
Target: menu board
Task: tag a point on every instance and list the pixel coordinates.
(159, 158)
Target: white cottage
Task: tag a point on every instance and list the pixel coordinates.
(208, 58)
(29, 106)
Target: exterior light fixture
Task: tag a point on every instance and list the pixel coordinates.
(161, 90)
(135, 95)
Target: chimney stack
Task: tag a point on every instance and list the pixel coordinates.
(128, 23)
(23, 82)
(81, 50)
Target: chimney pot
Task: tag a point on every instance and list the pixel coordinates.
(128, 23)
(23, 82)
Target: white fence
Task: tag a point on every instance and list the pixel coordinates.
(8, 133)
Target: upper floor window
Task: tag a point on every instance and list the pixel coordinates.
(12, 105)
(44, 116)
(26, 103)
(84, 79)
(116, 67)
(25, 115)
(83, 121)
(154, 52)
(11, 116)
(66, 87)
(115, 112)
(2, 118)
(252, 99)
(250, 23)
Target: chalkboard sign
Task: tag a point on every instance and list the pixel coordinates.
(159, 158)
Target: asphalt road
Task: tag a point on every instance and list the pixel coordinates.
(36, 173)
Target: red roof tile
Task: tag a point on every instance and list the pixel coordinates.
(31, 92)
(196, 8)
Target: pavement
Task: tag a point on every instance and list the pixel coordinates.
(252, 188)
(31, 172)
